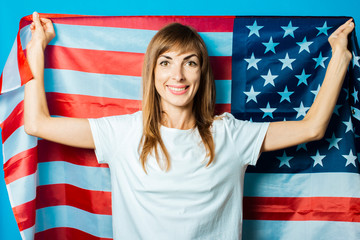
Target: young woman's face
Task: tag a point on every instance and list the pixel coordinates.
(177, 78)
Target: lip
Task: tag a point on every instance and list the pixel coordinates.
(177, 89)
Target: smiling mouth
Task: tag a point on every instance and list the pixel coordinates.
(178, 89)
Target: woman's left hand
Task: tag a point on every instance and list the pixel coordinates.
(339, 39)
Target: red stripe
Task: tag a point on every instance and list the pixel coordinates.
(117, 63)
(302, 209)
(24, 68)
(21, 165)
(25, 215)
(62, 233)
(28, 19)
(97, 202)
(82, 106)
(221, 67)
(13, 121)
(200, 23)
(221, 108)
(51, 152)
(94, 61)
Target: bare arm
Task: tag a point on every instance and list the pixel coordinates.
(74, 132)
(313, 126)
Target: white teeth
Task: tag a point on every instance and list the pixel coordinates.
(177, 89)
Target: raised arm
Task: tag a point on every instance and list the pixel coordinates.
(313, 126)
(37, 120)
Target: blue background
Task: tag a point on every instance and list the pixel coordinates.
(12, 11)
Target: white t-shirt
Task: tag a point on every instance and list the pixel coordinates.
(190, 201)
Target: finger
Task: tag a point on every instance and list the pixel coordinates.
(32, 26)
(36, 20)
(349, 27)
(343, 27)
(47, 23)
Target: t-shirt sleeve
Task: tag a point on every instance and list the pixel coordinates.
(102, 135)
(247, 138)
(108, 134)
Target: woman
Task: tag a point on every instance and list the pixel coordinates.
(181, 169)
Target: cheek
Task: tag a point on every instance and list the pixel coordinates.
(159, 83)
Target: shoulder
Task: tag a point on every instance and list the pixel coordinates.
(137, 116)
(118, 121)
(228, 121)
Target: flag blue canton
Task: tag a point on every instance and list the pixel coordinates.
(278, 67)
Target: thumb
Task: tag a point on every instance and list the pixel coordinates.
(36, 20)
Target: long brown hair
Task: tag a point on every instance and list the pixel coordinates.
(181, 38)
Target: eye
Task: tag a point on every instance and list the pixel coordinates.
(164, 63)
(192, 63)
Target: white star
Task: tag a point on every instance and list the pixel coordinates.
(303, 78)
(355, 60)
(318, 159)
(349, 126)
(301, 110)
(252, 95)
(254, 29)
(300, 146)
(320, 60)
(285, 95)
(268, 111)
(336, 109)
(323, 29)
(347, 93)
(333, 141)
(287, 62)
(284, 160)
(304, 45)
(350, 159)
(269, 78)
(289, 30)
(252, 62)
(355, 113)
(355, 95)
(270, 46)
(316, 92)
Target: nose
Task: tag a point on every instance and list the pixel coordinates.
(177, 72)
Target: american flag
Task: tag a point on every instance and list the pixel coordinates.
(265, 68)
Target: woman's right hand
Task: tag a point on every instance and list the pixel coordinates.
(42, 31)
(74, 132)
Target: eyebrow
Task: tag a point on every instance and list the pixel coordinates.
(185, 58)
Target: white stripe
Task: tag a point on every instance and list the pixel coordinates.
(111, 86)
(302, 185)
(18, 142)
(67, 216)
(28, 234)
(93, 84)
(123, 39)
(300, 230)
(9, 100)
(223, 91)
(11, 76)
(218, 44)
(25, 36)
(22, 190)
(64, 172)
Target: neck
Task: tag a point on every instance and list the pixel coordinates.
(178, 118)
